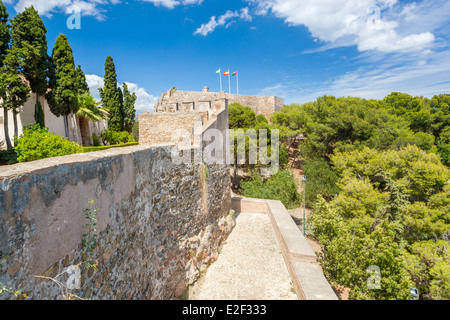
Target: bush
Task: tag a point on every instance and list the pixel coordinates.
(8, 157)
(281, 186)
(39, 143)
(135, 131)
(98, 148)
(321, 180)
(116, 137)
(95, 140)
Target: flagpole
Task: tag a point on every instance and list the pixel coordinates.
(237, 82)
(220, 75)
(229, 82)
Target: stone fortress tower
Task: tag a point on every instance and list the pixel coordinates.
(205, 101)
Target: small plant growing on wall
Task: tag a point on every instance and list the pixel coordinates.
(88, 241)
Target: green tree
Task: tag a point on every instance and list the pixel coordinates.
(110, 97)
(390, 202)
(81, 81)
(128, 108)
(90, 108)
(29, 47)
(65, 91)
(14, 93)
(5, 33)
(241, 116)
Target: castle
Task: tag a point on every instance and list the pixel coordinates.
(205, 101)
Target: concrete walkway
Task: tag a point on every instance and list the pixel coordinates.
(250, 265)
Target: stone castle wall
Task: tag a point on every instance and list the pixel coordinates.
(159, 223)
(183, 101)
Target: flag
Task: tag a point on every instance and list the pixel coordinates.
(226, 73)
(218, 71)
(234, 73)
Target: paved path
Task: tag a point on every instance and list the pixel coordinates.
(250, 265)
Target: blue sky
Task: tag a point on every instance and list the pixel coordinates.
(294, 49)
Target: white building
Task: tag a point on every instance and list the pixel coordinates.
(80, 129)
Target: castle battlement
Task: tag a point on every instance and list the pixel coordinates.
(212, 102)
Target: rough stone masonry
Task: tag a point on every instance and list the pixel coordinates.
(159, 224)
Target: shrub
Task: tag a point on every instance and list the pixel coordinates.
(95, 140)
(281, 186)
(135, 131)
(8, 157)
(116, 137)
(39, 143)
(321, 180)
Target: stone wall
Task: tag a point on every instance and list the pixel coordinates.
(159, 223)
(182, 101)
(159, 128)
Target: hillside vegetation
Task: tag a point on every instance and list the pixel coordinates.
(378, 183)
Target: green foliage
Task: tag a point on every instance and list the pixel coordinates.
(29, 45)
(90, 108)
(5, 33)
(110, 97)
(389, 204)
(65, 90)
(240, 116)
(321, 180)
(114, 137)
(39, 115)
(38, 143)
(281, 186)
(13, 93)
(444, 145)
(135, 131)
(428, 264)
(89, 239)
(95, 140)
(81, 81)
(8, 157)
(99, 148)
(129, 111)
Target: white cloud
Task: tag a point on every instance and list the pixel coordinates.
(48, 7)
(224, 20)
(382, 25)
(173, 3)
(422, 75)
(86, 7)
(144, 101)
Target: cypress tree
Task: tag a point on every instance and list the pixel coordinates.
(110, 97)
(129, 110)
(29, 44)
(5, 34)
(81, 81)
(65, 86)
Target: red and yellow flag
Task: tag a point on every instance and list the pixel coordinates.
(226, 73)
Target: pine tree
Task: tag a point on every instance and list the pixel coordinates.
(29, 44)
(65, 88)
(110, 97)
(81, 81)
(128, 107)
(5, 34)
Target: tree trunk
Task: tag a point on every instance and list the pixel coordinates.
(5, 125)
(74, 127)
(66, 126)
(16, 129)
(235, 174)
(36, 111)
